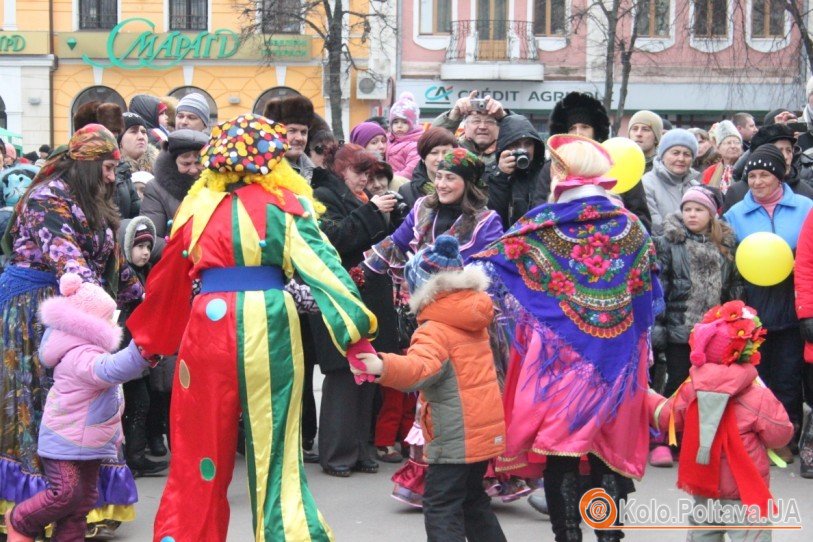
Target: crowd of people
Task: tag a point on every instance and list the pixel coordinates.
(542, 317)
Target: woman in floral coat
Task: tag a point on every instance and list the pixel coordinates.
(64, 224)
(579, 277)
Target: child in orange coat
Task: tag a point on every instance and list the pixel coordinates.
(451, 362)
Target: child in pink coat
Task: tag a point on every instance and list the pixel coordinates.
(81, 423)
(728, 418)
(402, 142)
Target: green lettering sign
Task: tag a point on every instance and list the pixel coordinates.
(12, 43)
(172, 47)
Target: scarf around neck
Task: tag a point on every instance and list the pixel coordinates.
(770, 202)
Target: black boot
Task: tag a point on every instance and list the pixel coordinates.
(141, 466)
(156, 444)
(134, 423)
(806, 449)
(614, 485)
(563, 491)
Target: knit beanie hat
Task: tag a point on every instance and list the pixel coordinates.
(768, 158)
(143, 235)
(186, 140)
(196, 104)
(132, 119)
(86, 297)
(648, 118)
(365, 132)
(15, 180)
(729, 333)
(443, 256)
(675, 138)
(702, 196)
(405, 108)
(723, 129)
(464, 163)
(247, 144)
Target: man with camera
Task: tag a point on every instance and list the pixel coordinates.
(512, 181)
(480, 118)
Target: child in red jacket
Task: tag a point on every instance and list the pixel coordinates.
(728, 418)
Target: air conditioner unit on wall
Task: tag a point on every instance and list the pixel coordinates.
(370, 86)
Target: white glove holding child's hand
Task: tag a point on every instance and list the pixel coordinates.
(374, 364)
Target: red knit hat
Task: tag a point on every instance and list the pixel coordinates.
(729, 333)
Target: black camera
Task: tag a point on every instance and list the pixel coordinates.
(523, 160)
(401, 206)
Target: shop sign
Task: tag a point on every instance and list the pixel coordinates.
(512, 94)
(23, 43)
(171, 47)
(285, 47)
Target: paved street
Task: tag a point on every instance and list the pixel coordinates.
(359, 508)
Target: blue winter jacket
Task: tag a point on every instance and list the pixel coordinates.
(775, 304)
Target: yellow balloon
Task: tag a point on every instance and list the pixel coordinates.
(763, 258)
(629, 163)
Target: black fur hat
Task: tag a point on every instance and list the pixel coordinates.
(580, 107)
(290, 109)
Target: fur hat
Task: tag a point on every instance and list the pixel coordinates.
(443, 256)
(729, 333)
(107, 114)
(678, 138)
(185, 140)
(290, 109)
(648, 118)
(407, 109)
(83, 310)
(580, 107)
(772, 133)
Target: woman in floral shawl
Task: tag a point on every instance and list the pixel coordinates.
(65, 223)
(579, 276)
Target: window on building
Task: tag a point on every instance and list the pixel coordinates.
(710, 18)
(435, 16)
(97, 94)
(180, 92)
(282, 16)
(97, 14)
(188, 15)
(270, 94)
(549, 17)
(767, 18)
(653, 19)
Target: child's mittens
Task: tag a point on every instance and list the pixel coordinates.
(353, 351)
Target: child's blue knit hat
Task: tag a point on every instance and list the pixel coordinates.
(444, 255)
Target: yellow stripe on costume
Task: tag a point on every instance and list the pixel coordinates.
(249, 238)
(312, 265)
(257, 369)
(293, 510)
(201, 205)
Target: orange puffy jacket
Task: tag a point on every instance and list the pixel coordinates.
(450, 361)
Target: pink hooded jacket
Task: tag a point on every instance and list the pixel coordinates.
(761, 418)
(82, 415)
(402, 152)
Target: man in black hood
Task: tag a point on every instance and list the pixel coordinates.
(512, 179)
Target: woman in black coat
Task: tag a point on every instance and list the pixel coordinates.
(353, 222)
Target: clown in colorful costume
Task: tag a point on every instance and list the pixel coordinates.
(243, 230)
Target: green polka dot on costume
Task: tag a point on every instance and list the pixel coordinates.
(216, 309)
(207, 469)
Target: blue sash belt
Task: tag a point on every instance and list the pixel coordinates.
(241, 279)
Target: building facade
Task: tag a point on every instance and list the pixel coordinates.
(694, 61)
(56, 55)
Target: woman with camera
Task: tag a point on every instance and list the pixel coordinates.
(354, 221)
